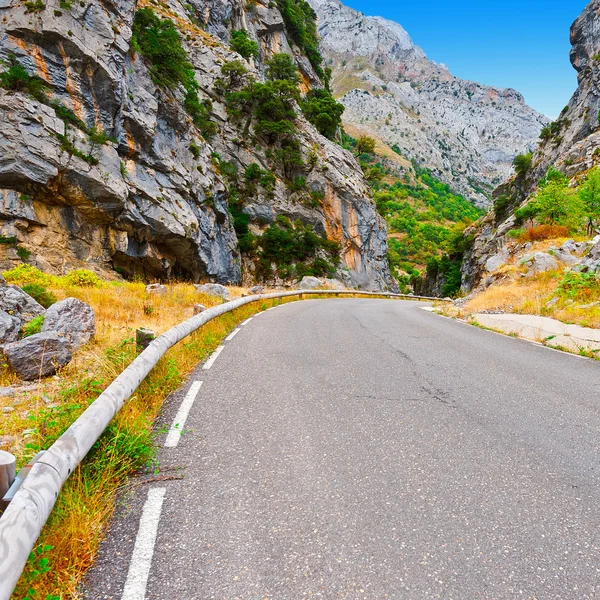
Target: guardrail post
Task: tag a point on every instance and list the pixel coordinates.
(8, 472)
(143, 338)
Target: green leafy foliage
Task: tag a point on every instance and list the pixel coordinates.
(83, 278)
(243, 45)
(589, 193)
(293, 248)
(17, 79)
(301, 23)
(522, 164)
(323, 111)
(40, 294)
(160, 43)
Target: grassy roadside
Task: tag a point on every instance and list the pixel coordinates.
(38, 416)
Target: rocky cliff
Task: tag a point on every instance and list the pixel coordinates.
(467, 133)
(571, 144)
(102, 167)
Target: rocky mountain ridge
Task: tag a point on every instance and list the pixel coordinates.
(467, 133)
(106, 169)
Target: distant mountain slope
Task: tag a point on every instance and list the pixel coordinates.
(467, 133)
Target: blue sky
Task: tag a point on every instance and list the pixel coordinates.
(523, 44)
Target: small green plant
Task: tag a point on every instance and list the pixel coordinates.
(23, 253)
(40, 294)
(16, 78)
(33, 327)
(24, 274)
(35, 6)
(9, 240)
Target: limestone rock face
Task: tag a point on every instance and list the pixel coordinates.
(572, 147)
(467, 133)
(39, 355)
(72, 320)
(151, 201)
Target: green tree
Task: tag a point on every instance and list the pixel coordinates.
(281, 67)
(558, 204)
(522, 164)
(242, 44)
(589, 193)
(322, 110)
(235, 71)
(365, 145)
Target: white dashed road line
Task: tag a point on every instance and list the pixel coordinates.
(211, 361)
(232, 334)
(246, 322)
(176, 430)
(141, 560)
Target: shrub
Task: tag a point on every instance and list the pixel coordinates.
(17, 79)
(33, 327)
(365, 145)
(83, 278)
(242, 44)
(324, 112)
(543, 232)
(24, 274)
(235, 71)
(580, 285)
(522, 164)
(23, 253)
(301, 23)
(40, 294)
(282, 68)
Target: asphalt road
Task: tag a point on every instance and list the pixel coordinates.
(370, 449)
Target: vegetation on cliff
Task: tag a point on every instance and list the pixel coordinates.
(425, 218)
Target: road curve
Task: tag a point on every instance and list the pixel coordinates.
(370, 449)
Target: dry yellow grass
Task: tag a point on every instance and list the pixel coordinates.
(70, 539)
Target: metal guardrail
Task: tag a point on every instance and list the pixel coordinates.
(31, 505)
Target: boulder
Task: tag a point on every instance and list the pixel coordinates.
(40, 355)
(72, 320)
(157, 288)
(9, 327)
(591, 262)
(15, 302)
(539, 262)
(493, 263)
(310, 283)
(213, 289)
(199, 308)
(565, 256)
(257, 289)
(334, 284)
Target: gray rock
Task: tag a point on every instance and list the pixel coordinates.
(552, 303)
(310, 283)
(334, 284)
(6, 441)
(565, 256)
(569, 246)
(71, 319)
(157, 288)
(213, 289)
(199, 308)
(15, 302)
(7, 410)
(7, 392)
(257, 289)
(591, 261)
(540, 262)
(9, 327)
(495, 262)
(38, 356)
